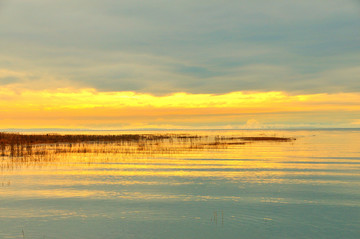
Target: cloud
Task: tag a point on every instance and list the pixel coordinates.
(162, 47)
(252, 124)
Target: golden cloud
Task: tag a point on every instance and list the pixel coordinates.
(69, 106)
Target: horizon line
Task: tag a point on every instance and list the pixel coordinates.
(13, 130)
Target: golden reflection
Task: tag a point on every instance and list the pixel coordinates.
(166, 152)
(256, 157)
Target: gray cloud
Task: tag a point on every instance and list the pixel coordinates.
(167, 46)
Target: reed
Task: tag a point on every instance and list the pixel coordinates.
(16, 138)
(45, 147)
(257, 138)
(24, 146)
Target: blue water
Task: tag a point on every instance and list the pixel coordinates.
(308, 188)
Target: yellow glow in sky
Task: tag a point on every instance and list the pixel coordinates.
(94, 109)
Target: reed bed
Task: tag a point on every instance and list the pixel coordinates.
(257, 138)
(18, 145)
(45, 147)
(29, 139)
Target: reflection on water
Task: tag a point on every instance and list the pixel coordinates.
(215, 185)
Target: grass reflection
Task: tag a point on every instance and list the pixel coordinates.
(25, 149)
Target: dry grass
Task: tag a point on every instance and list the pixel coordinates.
(40, 147)
(258, 138)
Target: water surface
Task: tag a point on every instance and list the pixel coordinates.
(307, 188)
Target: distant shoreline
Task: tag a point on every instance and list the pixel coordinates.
(52, 130)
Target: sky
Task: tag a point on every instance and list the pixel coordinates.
(234, 64)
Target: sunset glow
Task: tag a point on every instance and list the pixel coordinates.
(111, 110)
(179, 119)
(190, 65)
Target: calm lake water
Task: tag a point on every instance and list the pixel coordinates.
(307, 188)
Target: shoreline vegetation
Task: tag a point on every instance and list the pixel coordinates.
(35, 146)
